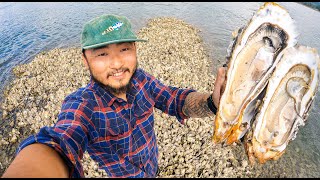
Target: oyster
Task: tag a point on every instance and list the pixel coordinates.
(251, 60)
(289, 94)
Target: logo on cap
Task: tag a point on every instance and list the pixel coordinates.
(115, 26)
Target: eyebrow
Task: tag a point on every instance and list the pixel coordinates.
(107, 46)
(95, 49)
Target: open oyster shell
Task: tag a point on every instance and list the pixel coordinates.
(289, 94)
(251, 60)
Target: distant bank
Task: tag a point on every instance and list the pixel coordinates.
(314, 5)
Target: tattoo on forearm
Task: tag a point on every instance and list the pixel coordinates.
(196, 105)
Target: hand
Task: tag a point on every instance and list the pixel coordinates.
(219, 85)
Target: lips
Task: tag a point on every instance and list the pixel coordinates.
(118, 74)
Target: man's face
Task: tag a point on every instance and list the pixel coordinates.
(112, 65)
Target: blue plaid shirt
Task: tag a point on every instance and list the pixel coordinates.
(119, 135)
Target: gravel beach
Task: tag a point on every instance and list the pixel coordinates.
(174, 54)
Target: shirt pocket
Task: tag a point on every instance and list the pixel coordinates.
(143, 107)
(117, 126)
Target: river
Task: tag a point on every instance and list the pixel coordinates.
(28, 28)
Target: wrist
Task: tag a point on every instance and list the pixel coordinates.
(211, 105)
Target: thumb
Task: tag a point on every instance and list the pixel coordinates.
(219, 85)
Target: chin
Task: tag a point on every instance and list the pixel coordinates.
(118, 84)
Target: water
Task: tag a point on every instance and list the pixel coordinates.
(28, 28)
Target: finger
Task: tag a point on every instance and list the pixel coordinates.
(223, 86)
(220, 79)
(221, 75)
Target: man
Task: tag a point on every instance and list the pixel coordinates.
(112, 117)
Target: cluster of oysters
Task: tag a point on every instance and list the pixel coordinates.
(271, 84)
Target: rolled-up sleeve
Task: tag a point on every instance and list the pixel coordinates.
(169, 99)
(69, 136)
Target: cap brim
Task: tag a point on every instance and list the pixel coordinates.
(112, 42)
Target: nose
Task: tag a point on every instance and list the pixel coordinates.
(116, 62)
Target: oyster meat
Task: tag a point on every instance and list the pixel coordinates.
(289, 94)
(251, 61)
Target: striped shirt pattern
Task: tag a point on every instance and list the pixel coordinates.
(117, 134)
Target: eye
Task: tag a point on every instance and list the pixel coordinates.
(102, 54)
(125, 49)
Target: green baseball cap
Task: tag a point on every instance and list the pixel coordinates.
(107, 29)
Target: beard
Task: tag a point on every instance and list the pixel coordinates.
(120, 90)
(113, 90)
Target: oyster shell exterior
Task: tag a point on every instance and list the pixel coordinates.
(251, 60)
(289, 94)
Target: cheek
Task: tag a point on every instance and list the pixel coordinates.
(98, 67)
(132, 62)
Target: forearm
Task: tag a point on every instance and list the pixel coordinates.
(196, 105)
(37, 160)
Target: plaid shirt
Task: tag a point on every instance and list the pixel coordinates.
(119, 135)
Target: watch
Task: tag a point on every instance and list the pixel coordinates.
(211, 105)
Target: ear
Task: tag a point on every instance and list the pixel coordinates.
(85, 61)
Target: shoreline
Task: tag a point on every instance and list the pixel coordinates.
(176, 56)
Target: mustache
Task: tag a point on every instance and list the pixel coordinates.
(124, 69)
